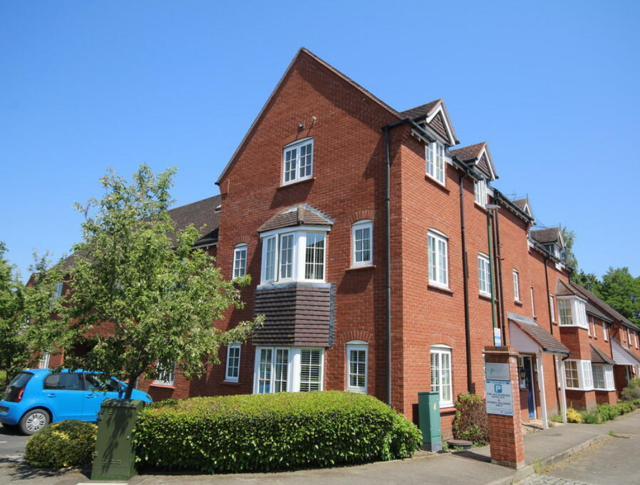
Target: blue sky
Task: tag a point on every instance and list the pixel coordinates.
(552, 86)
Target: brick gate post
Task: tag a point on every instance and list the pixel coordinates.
(503, 406)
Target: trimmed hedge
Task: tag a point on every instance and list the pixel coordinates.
(271, 432)
(632, 391)
(471, 422)
(603, 413)
(63, 444)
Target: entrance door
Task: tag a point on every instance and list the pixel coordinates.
(526, 382)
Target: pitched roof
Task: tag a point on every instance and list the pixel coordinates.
(311, 55)
(564, 289)
(421, 111)
(546, 236)
(597, 313)
(599, 357)
(296, 216)
(542, 337)
(522, 203)
(480, 156)
(604, 306)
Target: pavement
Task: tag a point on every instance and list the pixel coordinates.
(563, 455)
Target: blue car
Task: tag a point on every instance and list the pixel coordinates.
(37, 397)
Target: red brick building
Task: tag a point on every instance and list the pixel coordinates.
(385, 261)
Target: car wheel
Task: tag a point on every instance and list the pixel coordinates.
(34, 421)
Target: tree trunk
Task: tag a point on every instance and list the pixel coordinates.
(130, 387)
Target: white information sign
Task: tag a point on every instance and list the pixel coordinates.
(497, 337)
(497, 372)
(499, 397)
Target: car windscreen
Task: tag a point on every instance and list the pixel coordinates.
(17, 383)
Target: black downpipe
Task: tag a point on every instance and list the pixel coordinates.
(499, 282)
(465, 279)
(546, 279)
(387, 203)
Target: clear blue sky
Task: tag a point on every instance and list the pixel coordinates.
(554, 87)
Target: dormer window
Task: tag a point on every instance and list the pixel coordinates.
(297, 161)
(435, 161)
(572, 312)
(480, 192)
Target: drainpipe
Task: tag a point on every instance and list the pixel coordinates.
(491, 269)
(500, 286)
(555, 361)
(465, 279)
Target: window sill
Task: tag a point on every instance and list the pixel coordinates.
(517, 302)
(480, 206)
(485, 296)
(297, 182)
(443, 289)
(435, 181)
(448, 408)
(166, 386)
(230, 383)
(357, 268)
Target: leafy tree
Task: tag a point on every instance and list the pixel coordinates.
(622, 291)
(139, 293)
(25, 313)
(589, 281)
(569, 238)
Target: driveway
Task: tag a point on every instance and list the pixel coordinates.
(11, 444)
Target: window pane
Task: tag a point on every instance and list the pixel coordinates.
(357, 368)
(430, 160)
(63, 382)
(270, 263)
(435, 372)
(516, 286)
(286, 256)
(439, 162)
(310, 370)
(362, 245)
(233, 362)
(264, 374)
(564, 309)
(442, 262)
(290, 164)
(281, 370)
(598, 377)
(432, 259)
(571, 371)
(314, 260)
(240, 262)
(306, 157)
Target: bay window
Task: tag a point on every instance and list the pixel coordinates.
(579, 374)
(288, 369)
(572, 312)
(441, 374)
(293, 256)
(603, 377)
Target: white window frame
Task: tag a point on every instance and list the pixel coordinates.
(232, 349)
(359, 226)
(605, 331)
(58, 292)
(628, 337)
(166, 377)
(584, 374)
(294, 368)
(435, 162)
(516, 285)
(533, 302)
(552, 305)
(299, 254)
(357, 346)
(603, 373)
(295, 148)
(480, 192)
(239, 269)
(574, 309)
(44, 361)
(442, 385)
(591, 322)
(440, 255)
(484, 275)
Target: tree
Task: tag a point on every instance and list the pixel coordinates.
(138, 291)
(569, 238)
(622, 291)
(25, 313)
(589, 281)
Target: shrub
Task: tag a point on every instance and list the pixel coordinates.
(590, 417)
(608, 412)
(632, 391)
(573, 416)
(63, 444)
(471, 422)
(270, 432)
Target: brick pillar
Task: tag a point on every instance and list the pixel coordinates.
(505, 431)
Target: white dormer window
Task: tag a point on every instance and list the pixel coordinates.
(293, 255)
(435, 161)
(572, 312)
(480, 192)
(297, 161)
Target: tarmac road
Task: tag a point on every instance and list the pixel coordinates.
(12, 443)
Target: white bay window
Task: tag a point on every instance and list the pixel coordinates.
(293, 255)
(572, 312)
(579, 374)
(603, 377)
(288, 369)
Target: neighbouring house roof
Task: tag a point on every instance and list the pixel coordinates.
(508, 203)
(599, 357)
(546, 341)
(622, 356)
(421, 111)
(436, 117)
(547, 236)
(602, 305)
(203, 214)
(301, 215)
(478, 155)
(524, 205)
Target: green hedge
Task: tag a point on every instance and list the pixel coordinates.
(607, 412)
(471, 422)
(63, 444)
(271, 432)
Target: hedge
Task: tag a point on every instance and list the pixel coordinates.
(63, 444)
(602, 413)
(271, 432)
(471, 421)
